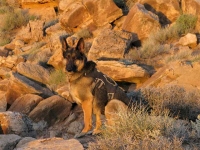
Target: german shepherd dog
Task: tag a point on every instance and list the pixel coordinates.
(94, 91)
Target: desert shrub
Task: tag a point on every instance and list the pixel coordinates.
(4, 39)
(154, 45)
(136, 129)
(180, 103)
(57, 77)
(185, 23)
(15, 19)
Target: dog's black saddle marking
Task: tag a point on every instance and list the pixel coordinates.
(101, 80)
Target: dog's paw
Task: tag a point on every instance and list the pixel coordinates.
(82, 134)
(96, 132)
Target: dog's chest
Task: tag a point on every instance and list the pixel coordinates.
(80, 90)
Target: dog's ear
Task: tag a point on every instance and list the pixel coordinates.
(64, 43)
(80, 45)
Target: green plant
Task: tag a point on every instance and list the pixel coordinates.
(185, 23)
(57, 77)
(136, 129)
(4, 40)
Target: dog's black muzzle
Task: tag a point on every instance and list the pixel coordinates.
(71, 67)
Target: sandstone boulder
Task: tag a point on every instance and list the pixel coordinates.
(93, 13)
(110, 44)
(25, 104)
(52, 143)
(16, 123)
(20, 85)
(176, 73)
(188, 40)
(121, 72)
(51, 110)
(71, 17)
(9, 141)
(141, 22)
(32, 32)
(46, 14)
(102, 11)
(10, 61)
(34, 71)
(167, 11)
(192, 7)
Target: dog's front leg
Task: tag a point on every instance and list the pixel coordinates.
(87, 111)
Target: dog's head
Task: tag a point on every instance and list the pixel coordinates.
(74, 56)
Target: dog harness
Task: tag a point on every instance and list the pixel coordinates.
(101, 80)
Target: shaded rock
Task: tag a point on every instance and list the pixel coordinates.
(52, 143)
(25, 104)
(34, 71)
(24, 141)
(8, 142)
(188, 40)
(121, 72)
(51, 110)
(141, 22)
(161, 8)
(16, 123)
(192, 7)
(3, 102)
(110, 44)
(4, 52)
(20, 85)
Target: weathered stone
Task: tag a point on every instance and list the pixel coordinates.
(71, 17)
(110, 44)
(102, 11)
(188, 40)
(34, 71)
(25, 104)
(161, 8)
(63, 5)
(10, 61)
(46, 14)
(16, 123)
(4, 74)
(24, 141)
(37, 29)
(192, 7)
(25, 34)
(8, 142)
(53, 29)
(141, 22)
(51, 110)
(176, 73)
(52, 143)
(20, 85)
(121, 72)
